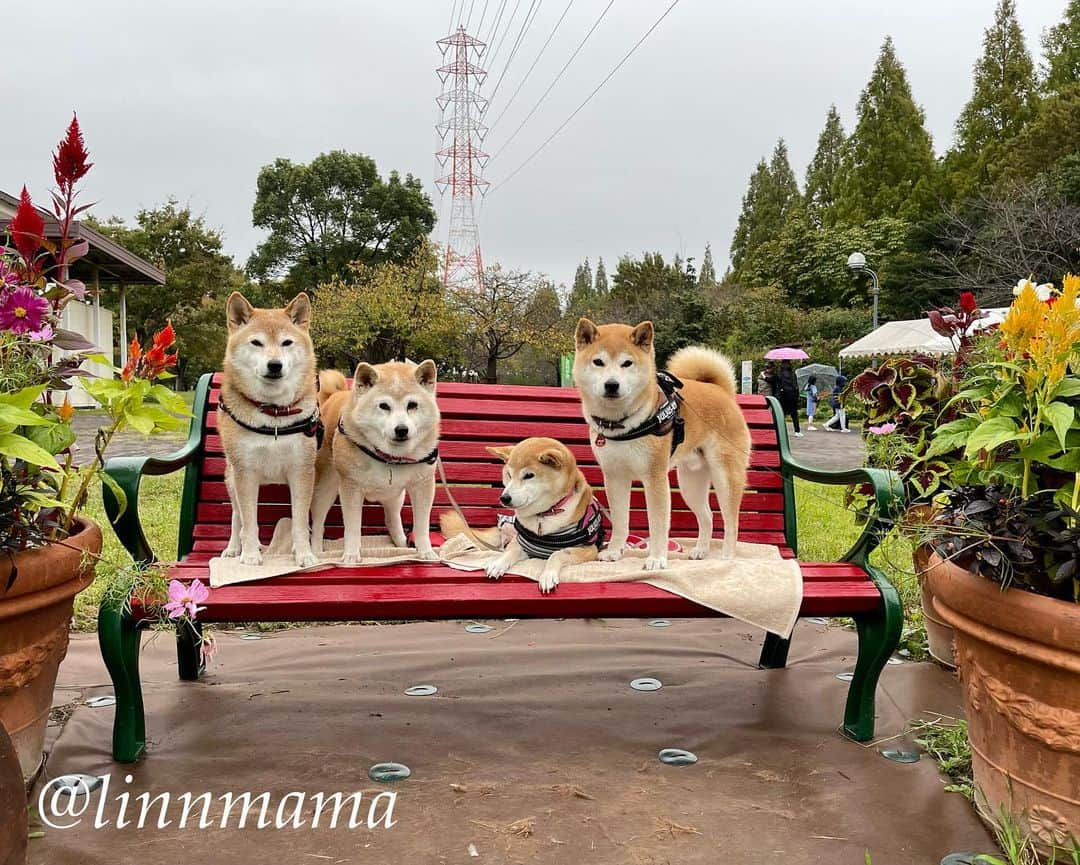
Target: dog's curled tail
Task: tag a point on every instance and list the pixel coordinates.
(697, 363)
(330, 382)
(451, 523)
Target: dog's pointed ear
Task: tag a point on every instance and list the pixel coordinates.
(585, 333)
(365, 376)
(299, 310)
(237, 310)
(642, 335)
(552, 457)
(427, 374)
(502, 453)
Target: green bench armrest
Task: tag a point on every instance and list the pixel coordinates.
(128, 473)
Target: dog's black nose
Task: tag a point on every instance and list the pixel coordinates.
(611, 387)
(401, 432)
(505, 499)
(273, 367)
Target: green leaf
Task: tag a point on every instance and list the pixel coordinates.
(53, 438)
(948, 437)
(1044, 447)
(117, 491)
(16, 416)
(170, 400)
(140, 421)
(22, 398)
(1068, 387)
(991, 434)
(21, 448)
(1061, 417)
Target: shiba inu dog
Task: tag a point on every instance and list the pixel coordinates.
(556, 516)
(381, 442)
(641, 423)
(268, 418)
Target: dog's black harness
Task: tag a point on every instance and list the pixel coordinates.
(309, 426)
(666, 419)
(588, 531)
(383, 457)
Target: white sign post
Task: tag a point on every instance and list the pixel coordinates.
(747, 376)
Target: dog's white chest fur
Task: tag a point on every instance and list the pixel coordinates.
(272, 459)
(383, 482)
(632, 458)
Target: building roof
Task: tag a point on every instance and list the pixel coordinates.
(114, 264)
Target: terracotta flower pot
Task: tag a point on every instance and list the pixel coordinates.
(940, 635)
(13, 825)
(1019, 660)
(35, 618)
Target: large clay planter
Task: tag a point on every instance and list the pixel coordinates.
(940, 635)
(1019, 660)
(13, 825)
(35, 618)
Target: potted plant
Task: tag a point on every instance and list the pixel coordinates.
(906, 399)
(47, 548)
(1005, 570)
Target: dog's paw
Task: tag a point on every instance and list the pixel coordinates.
(399, 540)
(699, 553)
(306, 560)
(231, 551)
(251, 558)
(351, 559)
(655, 563)
(610, 554)
(548, 581)
(427, 555)
(496, 569)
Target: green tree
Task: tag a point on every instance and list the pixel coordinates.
(198, 278)
(581, 292)
(1061, 48)
(888, 167)
(1049, 146)
(707, 275)
(1002, 102)
(771, 195)
(326, 216)
(822, 171)
(600, 285)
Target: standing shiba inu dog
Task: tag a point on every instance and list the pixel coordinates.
(641, 423)
(556, 516)
(381, 442)
(269, 418)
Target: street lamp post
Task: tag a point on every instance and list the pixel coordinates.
(857, 264)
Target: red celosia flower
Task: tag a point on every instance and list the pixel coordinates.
(134, 355)
(26, 227)
(968, 302)
(69, 161)
(155, 361)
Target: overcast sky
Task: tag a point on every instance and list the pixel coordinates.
(191, 97)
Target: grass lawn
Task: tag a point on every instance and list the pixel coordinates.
(826, 528)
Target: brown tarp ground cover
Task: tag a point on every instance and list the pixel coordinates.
(534, 750)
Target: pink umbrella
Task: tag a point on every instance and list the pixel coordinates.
(787, 353)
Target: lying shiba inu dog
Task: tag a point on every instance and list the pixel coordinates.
(269, 418)
(556, 516)
(381, 442)
(641, 423)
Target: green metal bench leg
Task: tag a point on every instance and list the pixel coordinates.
(189, 662)
(879, 635)
(774, 652)
(119, 637)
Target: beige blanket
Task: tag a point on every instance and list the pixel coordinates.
(278, 558)
(757, 587)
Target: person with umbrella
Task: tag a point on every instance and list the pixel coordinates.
(839, 412)
(785, 385)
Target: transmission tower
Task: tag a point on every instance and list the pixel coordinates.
(461, 132)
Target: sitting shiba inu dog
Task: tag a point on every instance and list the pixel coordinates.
(556, 516)
(381, 442)
(269, 419)
(642, 422)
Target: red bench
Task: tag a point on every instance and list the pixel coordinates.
(474, 416)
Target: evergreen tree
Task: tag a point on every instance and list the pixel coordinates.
(1061, 46)
(707, 274)
(821, 174)
(600, 286)
(1003, 101)
(888, 167)
(770, 197)
(581, 292)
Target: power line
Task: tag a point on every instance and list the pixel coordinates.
(502, 38)
(588, 98)
(483, 15)
(453, 14)
(533, 66)
(517, 44)
(494, 25)
(472, 5)
(556, 79)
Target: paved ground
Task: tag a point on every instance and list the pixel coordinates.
(129, 443)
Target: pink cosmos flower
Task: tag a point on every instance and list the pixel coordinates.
(207, 648)
(42, 334)
(22, 310)
(882, 430)
(185, 600)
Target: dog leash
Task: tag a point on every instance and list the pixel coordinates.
(457, 509)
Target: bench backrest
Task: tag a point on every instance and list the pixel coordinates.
(474, 416)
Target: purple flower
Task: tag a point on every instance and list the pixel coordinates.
(42, 334)
(22, 310)
(185, 600)
(882, 430)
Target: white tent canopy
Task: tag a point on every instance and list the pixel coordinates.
(911, 337)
